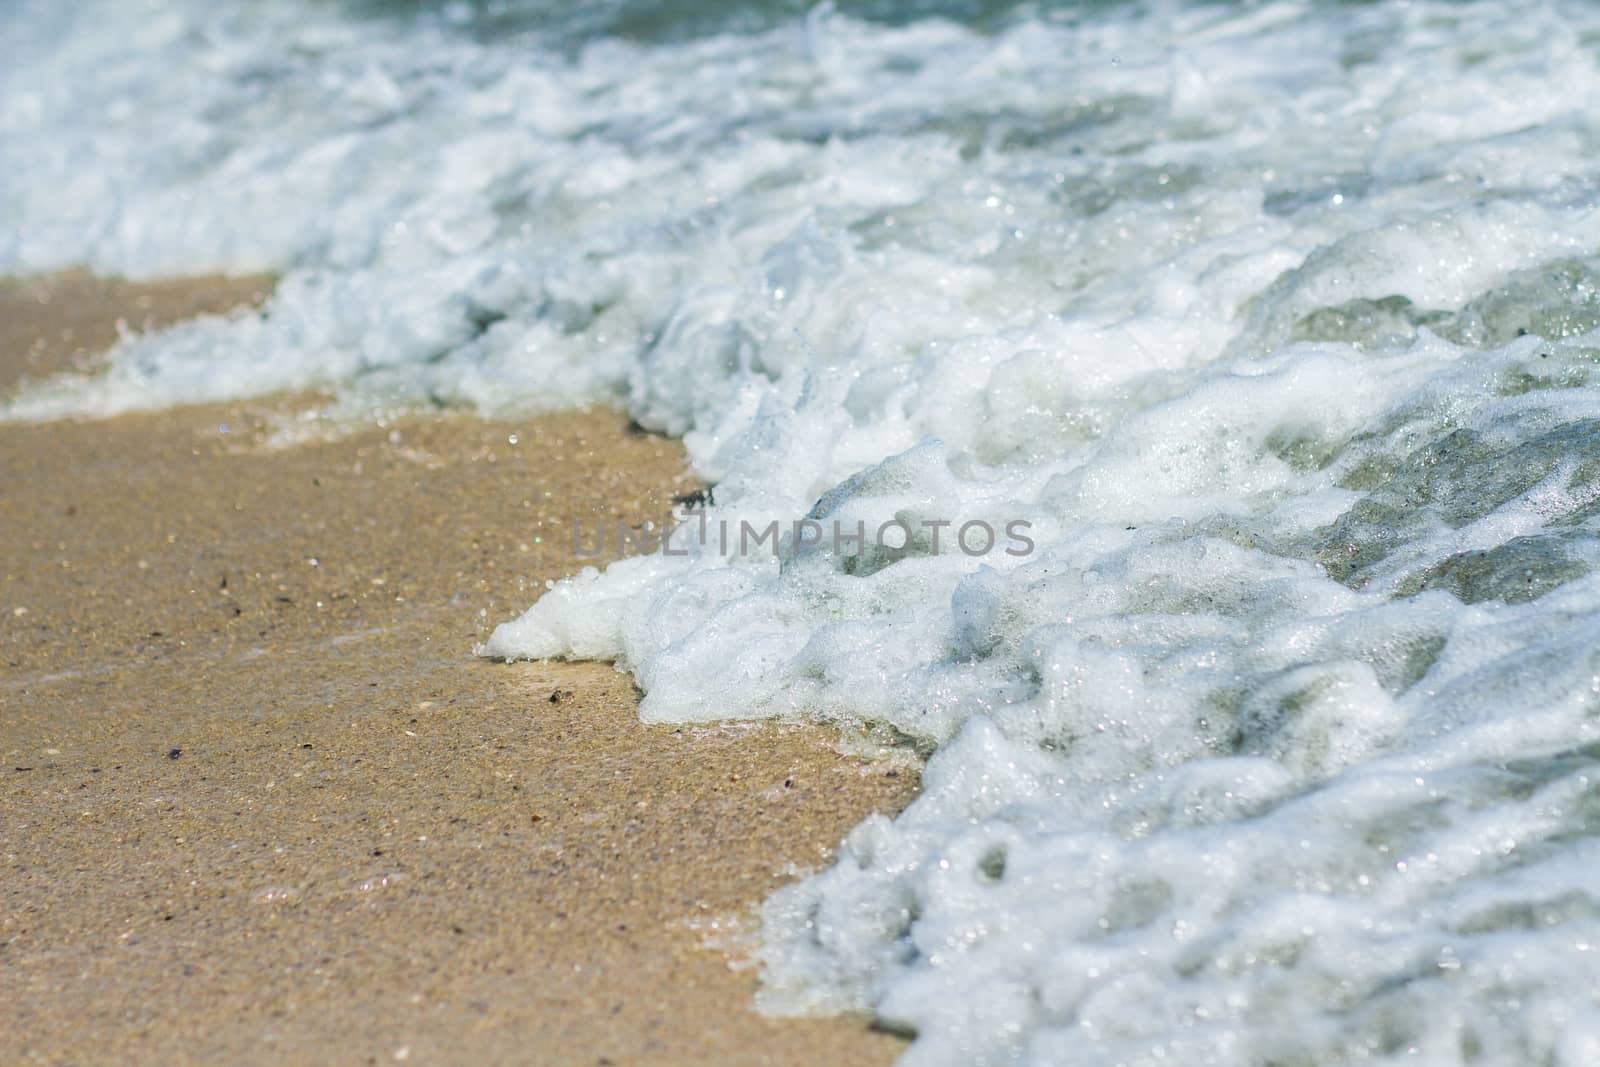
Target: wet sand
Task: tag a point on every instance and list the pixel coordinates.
(66, 322)
(259, 803)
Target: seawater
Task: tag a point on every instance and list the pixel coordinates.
(1275, 322)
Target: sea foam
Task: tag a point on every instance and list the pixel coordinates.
(1275, 323)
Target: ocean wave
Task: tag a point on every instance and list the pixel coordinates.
(1275, 323)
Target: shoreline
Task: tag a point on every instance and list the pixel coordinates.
(264, 803)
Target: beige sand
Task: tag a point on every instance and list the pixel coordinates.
(63, 323)
(259, 803)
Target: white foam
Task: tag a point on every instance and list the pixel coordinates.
(1276, 746)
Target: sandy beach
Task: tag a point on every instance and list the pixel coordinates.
(1175, 428)
(262, 804)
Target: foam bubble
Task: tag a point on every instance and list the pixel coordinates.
(1275, 325)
